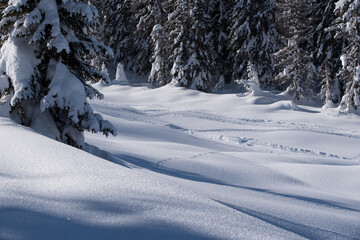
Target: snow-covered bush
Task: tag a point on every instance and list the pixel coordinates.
(43, 67)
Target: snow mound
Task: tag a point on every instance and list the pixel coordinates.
(186, 165)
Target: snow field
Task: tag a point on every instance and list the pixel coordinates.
(186, 165)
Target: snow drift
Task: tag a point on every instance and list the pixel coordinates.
(186, 165)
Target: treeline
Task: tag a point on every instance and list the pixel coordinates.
(306, 48)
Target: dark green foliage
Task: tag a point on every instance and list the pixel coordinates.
(347, 27)
(294, 60)
(253, 39)
(289, 45)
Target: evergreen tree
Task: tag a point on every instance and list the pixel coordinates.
(203, 61)
(159, 74)
(169, 6)
(252, 38)
(3, 5)
(178, 23)
(194, 56)
(219, 33)
(146, 14)
(116, 29)
(327, 53)
(347, 26)
(295, 60)
(43, 67)
(324, 44)
(159, 69)
(330, 86)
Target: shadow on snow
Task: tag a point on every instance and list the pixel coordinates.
(305, 231)
(16, 223)
(143, 164)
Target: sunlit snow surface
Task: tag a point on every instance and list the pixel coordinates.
(186, 165)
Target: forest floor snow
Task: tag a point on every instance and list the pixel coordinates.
(186, 165)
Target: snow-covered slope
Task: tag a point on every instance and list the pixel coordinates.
(186, 165)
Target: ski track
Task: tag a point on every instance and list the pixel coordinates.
(166, 118)
(152, 116)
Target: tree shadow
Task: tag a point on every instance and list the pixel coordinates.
(93, 150)
(303, 230)
(142, 163)
(17, 223)
(134, 162)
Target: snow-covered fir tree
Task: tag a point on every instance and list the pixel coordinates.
(330, 87)
(324, 42)
(43, 69)
(128, 25)
(327, 53)
(116, 29)
(3, 5)
(347, 26)
(219, 11)
(202, 44)
(169, 6)
(194, 56)
(159, 74)
(146, 14)
(295, 60)
(203, 58)
(252, 38)
(177, 25)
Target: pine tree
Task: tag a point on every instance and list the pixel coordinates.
(327, 53)
(159, 69)
(169, 6)
(330, 87)
(128, 25)
(252, 38)
(116, 29)
(178, 23)
(295, 60)
(219, 32)
(43, 67)
(194, 56)
(203, 59)
(147, 14)
(347, 26)
(159, 74)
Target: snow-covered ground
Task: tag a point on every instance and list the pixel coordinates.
(186, 165)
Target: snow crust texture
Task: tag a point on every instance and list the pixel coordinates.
(186, 165)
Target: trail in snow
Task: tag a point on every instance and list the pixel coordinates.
(186, 165)
(246, 125)
(298, 164)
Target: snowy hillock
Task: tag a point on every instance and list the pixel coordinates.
(186, 165)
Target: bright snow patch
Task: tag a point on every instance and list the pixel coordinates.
(16, 53)
(120, 74)
(186, 165)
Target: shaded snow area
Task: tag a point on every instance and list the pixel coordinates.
(186, 165)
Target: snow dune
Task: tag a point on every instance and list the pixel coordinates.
(186, 165)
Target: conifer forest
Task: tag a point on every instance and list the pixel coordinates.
(179, 119)
(306, 48)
